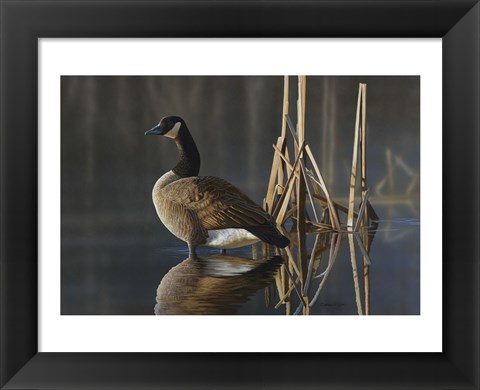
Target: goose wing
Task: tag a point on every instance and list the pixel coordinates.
(217, 203)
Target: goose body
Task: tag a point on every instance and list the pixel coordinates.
(206, 210)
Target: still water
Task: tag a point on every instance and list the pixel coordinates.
(145, 275)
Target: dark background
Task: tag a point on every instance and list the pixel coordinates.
(115, 250)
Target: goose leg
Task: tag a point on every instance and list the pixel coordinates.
(191, 251)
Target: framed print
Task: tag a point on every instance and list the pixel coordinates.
(74, 170)
(169, 279)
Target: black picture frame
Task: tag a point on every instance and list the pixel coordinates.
(457, 22)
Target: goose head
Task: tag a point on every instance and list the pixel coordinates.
(174, 127)
(168, 126)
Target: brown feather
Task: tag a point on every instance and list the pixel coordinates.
(217, 203)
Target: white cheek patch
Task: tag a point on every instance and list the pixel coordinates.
(174, 131)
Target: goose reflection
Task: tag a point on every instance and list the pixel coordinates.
(218, 284)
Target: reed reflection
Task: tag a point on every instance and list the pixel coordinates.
(217, 284)
(299, 292)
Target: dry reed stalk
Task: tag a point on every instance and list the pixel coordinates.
(291, 260)
(276, 166)
(288, 159)
(356, 283)
(360, 217)
(338, 206)
(284, 158)
(304, 96)
(302, 245)
(364, 218)
(324, 244)
(363, 143)
(288, 308)
(302, 87)
(280, 177)
(301, 207)
(309, 191)
(277, 206)
(321, 182)
(279, 188)
(306, 307)
(300, 296)
(366, 273)
(305, 171)
(318, 231)
(322, 226)
(285, 105)
(353, 177)
(366, 288)
(310, 266)
(366, 269)
(318, 259)
(290, 213)
(292, 131)
(283, 299)
(286, 200)
(281, 206)
(277, 169)
(296, 150)
(290, 283)
(334, 248)
(281, 288)
(362, 248)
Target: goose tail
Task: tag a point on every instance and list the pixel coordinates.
(270, 235)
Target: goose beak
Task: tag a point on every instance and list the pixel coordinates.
(154, 131)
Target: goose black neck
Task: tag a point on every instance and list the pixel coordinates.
(189, 163)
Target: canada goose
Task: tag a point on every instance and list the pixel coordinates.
(206, 210)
